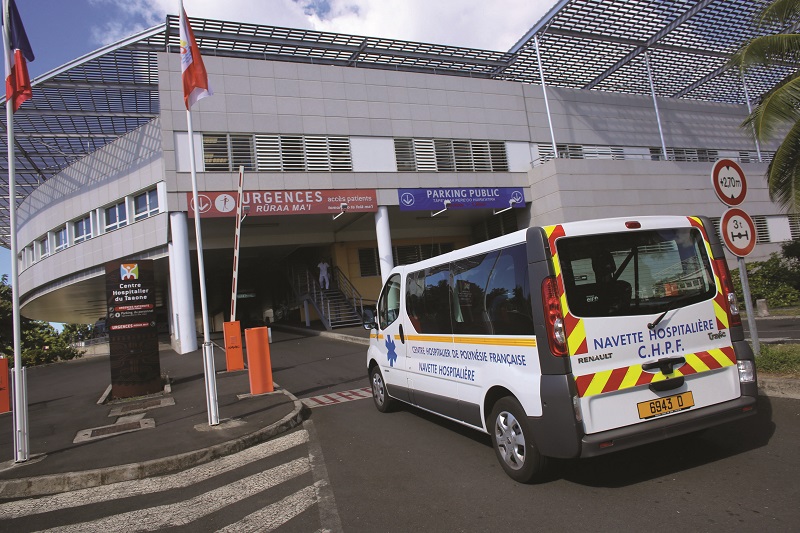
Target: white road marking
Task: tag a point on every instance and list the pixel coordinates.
(273, 516)
(328, 512)
(188, 511)
(338, 397)
(137, 487)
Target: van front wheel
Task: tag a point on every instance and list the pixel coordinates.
(379, 394)
(512, 440)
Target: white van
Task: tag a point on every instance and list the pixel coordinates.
(565, 341)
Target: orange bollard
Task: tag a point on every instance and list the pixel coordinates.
(5, 391)
(258, 362)
(234, 360)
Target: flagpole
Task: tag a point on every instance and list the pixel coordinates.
(208, 348)
(21, 440)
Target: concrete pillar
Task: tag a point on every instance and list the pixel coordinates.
(184, 334)
(384, 241)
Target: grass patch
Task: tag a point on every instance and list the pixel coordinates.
(779, 359)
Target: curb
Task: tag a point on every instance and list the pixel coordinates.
(69, 481)
(779, 387)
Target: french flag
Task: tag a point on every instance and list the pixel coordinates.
(195, 78)
(18, 49)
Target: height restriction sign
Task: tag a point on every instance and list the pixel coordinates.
(738, 232)
(728, 180)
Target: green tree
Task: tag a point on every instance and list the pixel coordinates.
(779, 109)
(41, 343)
(776, 280)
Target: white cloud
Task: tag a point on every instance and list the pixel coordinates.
(487, 24)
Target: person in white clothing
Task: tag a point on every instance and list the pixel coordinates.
(324, 281)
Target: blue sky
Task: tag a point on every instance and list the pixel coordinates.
(63, 30)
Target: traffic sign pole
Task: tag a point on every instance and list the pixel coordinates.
(748, 305)
(737, 229)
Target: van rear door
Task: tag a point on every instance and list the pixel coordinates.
(647, 329)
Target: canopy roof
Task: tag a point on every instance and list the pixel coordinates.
(583, 44)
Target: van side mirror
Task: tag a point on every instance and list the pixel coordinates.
(369, 319)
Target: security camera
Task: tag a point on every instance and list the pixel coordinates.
(343, 206)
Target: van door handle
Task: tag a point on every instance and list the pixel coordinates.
(402, 337)
(666, 365)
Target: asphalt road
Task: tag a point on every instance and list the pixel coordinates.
(410, 471)
(775, 329)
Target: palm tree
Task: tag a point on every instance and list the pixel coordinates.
(779, 109)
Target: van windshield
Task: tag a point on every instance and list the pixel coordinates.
(635, 273)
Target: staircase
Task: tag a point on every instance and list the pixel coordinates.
(339, 306)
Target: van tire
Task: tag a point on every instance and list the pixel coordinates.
(380, 394)
(512, 440)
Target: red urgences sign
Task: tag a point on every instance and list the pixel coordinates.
(266, 203)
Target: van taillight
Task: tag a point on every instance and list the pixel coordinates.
(553, 319)
(728, 292)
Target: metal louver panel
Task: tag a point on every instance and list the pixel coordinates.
(425, 155)
(268, 153)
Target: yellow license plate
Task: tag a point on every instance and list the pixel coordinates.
(666, 405)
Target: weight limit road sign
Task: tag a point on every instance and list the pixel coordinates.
(728, 180)
(738, 232)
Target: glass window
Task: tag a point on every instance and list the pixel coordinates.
(116, 216)
(145, 205)
(389, 303)
(83, 229)
(508, 294)
(635, 273)
(44, 247)
(470, 278)
(61, 238)
(428, 300)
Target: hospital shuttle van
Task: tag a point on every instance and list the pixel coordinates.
(567, 341)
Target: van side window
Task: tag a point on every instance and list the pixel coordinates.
(470, 278)
(508, 294)
(428, 300)
(389, 304)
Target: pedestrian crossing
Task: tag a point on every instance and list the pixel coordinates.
(261, 488)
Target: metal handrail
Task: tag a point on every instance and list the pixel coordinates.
(349, 290)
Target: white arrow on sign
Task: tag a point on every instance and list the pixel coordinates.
(738, 232)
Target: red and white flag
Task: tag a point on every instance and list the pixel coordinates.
(18, 83)
(195, 78)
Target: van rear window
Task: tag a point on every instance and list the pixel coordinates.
(635, 273)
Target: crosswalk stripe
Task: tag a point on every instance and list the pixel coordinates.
(178, 480)
(338, 397)
(273, 516)
(188, 511)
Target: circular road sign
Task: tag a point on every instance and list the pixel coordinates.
(738, 232)
(728, 180)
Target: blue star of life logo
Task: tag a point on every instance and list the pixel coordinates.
(391, 355)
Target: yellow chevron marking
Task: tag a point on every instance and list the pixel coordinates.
(598, 382)
(721, 358)
(631, 377)
(696, 362)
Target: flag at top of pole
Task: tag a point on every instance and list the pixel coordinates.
(18, 48)
(195, 78)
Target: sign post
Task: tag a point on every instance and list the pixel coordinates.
(737, 229)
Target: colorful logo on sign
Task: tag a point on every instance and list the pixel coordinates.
(129, 271)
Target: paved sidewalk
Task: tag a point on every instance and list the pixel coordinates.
(63, 405)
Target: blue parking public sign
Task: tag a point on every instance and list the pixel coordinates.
(461, 198)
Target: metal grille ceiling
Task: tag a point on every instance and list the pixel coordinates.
(584, 44)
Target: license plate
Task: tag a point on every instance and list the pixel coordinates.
(666, 405)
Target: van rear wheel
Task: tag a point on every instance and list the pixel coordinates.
(512, 440)
(379, 394)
